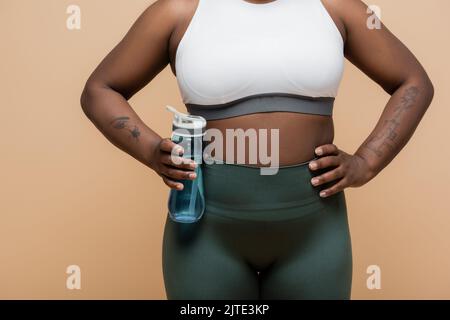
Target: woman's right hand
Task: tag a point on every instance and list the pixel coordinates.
(167, 162)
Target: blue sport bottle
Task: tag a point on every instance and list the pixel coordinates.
(188, 205)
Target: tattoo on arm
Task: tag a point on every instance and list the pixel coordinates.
(388, 134)
(122, 123)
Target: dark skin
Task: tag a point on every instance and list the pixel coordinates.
(151, 43)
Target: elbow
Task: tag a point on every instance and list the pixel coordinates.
(88, 95)
(425, 86)
(85, 98)
(429, 89)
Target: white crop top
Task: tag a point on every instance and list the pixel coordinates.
(238, 57)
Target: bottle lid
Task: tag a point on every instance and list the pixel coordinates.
(186, 121)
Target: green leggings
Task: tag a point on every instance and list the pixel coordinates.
(260, 237)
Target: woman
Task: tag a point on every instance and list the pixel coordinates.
(259, 65)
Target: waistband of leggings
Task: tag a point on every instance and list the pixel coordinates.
(212, 161)
(234, 187)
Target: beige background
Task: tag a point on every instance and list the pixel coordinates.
(68, 196)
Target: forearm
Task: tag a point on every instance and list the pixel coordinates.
(118, 122)
(396, 125)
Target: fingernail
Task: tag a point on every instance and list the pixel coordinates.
(313, 165)
(314, 181)
(193, 165)
(323, 193)
(192, 175)
(319, 151)
(179, 186)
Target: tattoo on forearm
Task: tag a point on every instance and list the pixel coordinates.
(122, 123)
(386, 138)
(119, 123)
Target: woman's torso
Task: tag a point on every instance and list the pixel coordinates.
(229, 50)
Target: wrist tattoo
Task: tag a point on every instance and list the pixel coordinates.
(123, 123)
(386, 137)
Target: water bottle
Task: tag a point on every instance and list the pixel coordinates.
(188, 205)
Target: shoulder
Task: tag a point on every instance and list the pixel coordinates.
(347, 10)
(347, 14)
(168, 9)
(163, 16)
(174, 9)
(343, 6)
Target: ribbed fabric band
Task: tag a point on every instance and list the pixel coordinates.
(269, 102)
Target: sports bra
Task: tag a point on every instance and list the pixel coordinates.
(238, 57)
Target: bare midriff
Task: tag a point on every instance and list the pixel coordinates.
(298, 136)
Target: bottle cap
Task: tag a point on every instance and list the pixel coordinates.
(187, 124)
(186, 121)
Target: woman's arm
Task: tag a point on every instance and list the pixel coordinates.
(130, 66)
(382, 57)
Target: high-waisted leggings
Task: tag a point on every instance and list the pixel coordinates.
(260, 237)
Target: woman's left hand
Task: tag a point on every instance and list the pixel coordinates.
(349, 170)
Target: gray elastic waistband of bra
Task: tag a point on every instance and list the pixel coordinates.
(264, 103)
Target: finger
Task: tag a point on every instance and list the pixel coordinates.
(328, 176)
(178, 162)
(335, 188)
(168, 145)
(172, 184)
(327, 149)
(324, 162)
(176, 174)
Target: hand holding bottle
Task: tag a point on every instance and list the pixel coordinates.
(168, 163)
